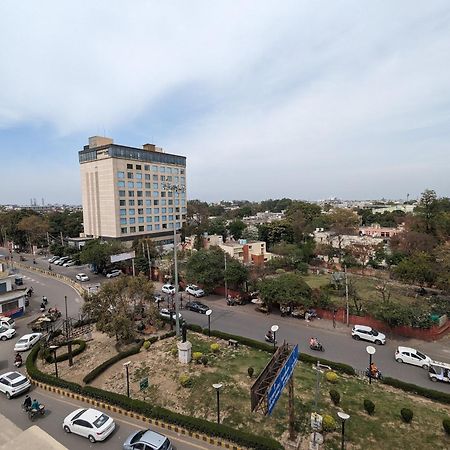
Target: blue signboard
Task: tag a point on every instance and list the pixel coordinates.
(281, 380)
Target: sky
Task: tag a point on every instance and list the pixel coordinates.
(300, 99)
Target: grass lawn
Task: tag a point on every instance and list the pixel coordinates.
(383, 430)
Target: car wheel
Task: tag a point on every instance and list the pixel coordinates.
(356, 337)
(8, 395)
(399, 360)
(91, 438)
(67, 429)
(3, 338)
(378, 342)
(425, 366)
(433, 379)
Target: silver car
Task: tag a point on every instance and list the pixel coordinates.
(148, 440)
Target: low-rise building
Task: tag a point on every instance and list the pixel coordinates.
(248, 252)
(12, 300)
(375, 230)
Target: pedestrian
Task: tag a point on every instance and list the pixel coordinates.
(334, 318)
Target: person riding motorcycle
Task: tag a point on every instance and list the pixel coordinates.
(373, 370)
(18, 360)
(313, 342)
(44, 300)
(35, 405)
(27, 403)
(269, 335)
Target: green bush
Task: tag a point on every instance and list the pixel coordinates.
(328, 423)
(185, 380)
(80, 347)
(407, 415)
(194, 328)
(174, 351)
(169, 334)
(215, 348)
(335, 397)
(152, 339)
(338, 367)
(369, 406)
(204, 360)
(446, 425)
(146, 345)
(196, 356)
(331, 377)
(93, 374)
(250, 371)
(242, 340)
(442, 397)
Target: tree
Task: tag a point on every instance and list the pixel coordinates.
(286, 289)
(235, 228)
(275, 232)
(35, 227)
(428, 209)
(343, 222)
(442, 254)
(115, 304)
(98, 253)
(218, 226)
(362, 252)
(302, 216)
(410, 242)
(250, 233)
(206, 267)
(418, 268)
(236, 273)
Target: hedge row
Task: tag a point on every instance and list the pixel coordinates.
(338, 367)
(191, 423)
(81, 347)
(94, 373)
(442, 397)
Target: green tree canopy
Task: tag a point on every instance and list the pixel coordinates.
(235, 228)
(419, 268)
(98, 253)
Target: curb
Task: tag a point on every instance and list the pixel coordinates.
(133, 415)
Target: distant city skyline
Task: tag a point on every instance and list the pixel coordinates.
(306, 100)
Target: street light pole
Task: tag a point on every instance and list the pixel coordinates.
(128, 377)
(208, 313)
(371, 351)
(225, 276)
(217, 387)
(54, 348)
(343, 416)
(274, 329)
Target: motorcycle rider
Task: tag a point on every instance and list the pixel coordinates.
(269, 336)
(27, 403)
(44, 300)
(18, 360)
(35, 405)
(374, 373)
(42, 307)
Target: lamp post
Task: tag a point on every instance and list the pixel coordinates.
(175, 189)
(208, 313)
(225, 275)
(274, 329)
(217, 387)
(54, 348)
(371, 351)
(343, 416)
(128, 376)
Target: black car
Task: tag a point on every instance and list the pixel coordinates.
(197, 307)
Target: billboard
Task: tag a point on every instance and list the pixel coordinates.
(123, 256)
(281, 380)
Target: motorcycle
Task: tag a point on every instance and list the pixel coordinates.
(18, 362)
(377, 376)
(42, 308)
(230, 301)
(269, 339)
(33, 413)
(310, 314)
(44, 300)
(318, 346)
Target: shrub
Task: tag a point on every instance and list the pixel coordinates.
(328, 423)
(331, 377)
(369, 406)
(407, 415)
(338, 367)
(215, 348)
(174, 351)
(204, 360)
(146, 345)
(196, 356)
(185, 380)
(169, 334)
(446, 425)
(250, 371)
(335, 396)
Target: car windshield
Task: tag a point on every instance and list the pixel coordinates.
(101, 421)
(375, 332)
(19, 382)
(2, 330)
(79, 414)
(137, 436)
(165, 445)
(22, 341)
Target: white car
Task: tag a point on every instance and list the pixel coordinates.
(412, 356)
(53, 259)
(114, 273)
(61, 261)
(81, 277)
(164, 312)
(194, 290)
(368, 334)
(89, 423)
(7, 333)
(27, 341)
(168, 289)
(13, 383)
(69, 263)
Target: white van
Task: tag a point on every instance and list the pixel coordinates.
(7, 322)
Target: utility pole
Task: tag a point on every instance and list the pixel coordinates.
(62, 239)
(149, 263)
(346, 295)
(68, 337)
(225, 276)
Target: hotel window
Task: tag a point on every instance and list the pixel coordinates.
(148, 219)
(155, 210)
(170, 194)
(140, 202)
(130, 202)
(183, 210)
(149, 227)
(155, 168)
(170, 202)
(163, 202)
(131, 212)
(177, 202)
(164, 218)
(171, 217)
(139, 193)
(138, 167)
(121, 193)
(123, 230)
(148, 194)
(130, 184)
(132, 229)
(171, 210)
(146, 167)
(123, 221)
(162, 169)
(163, 210)
(130, 175)
(177, 209)
(169, 170)
(148, 203)
(157, 226)
(123, 212)
(182, 171)
(130, 193)
(120, 174)
(147, 176)
(141, 228)
(155, 177)
(122, 202)
(170, 225)
(139, 176)
(140, 220)
(163, 193)
(132, 220)
(155, 186)
(183, 180)
(140, 211)
(178, 225)
(163, 178)
(183, 202)
(164, 225)
(139, 184)
(121, 184)
(148, 210)
(129, 166)
(155, 194)
(156, 202)
(169, 178)
(156, 219)
(147, 186)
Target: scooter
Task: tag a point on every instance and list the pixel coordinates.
(378, 375)
(319, 347)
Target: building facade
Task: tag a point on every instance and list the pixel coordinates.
(129, 192)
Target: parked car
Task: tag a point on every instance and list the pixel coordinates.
(412, 356)
(81, 277)
(197, 307)
(6, 333)
(194, 290)
(61, 261)
(113, 273)
(168, 289)
(89, 423)
(13, 383)
(439, 371)
(27, 341)
(165, 313)
(53, 259)
(368, 334)
(7, 322)
(148, 440)
(69, 263)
